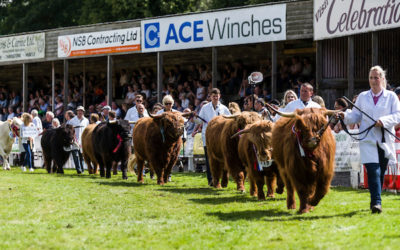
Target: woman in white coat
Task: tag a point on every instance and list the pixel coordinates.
(377, 148)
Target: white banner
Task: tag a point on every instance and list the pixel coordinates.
(103, 42)
(241, 26)
(347, 155)
(335, 18)
(24, 47)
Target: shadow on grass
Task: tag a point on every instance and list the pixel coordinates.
(122, 184)
(271, 214)
(239, 198)
(189, 190)
(360, 190)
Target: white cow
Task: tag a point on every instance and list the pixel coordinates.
(8, 131)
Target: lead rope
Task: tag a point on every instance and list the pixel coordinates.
(298, 141)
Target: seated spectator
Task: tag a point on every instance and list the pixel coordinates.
(116, 109)
(201, 91)
(184, 100)
(11, 112)
(105, 111)
(3, 101)
(43, 106)
(5, 114)
(18, 111)
(130, 95)
(289, 96)
(59, 108)
(15, 99)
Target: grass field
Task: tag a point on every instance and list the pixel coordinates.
(45, 211)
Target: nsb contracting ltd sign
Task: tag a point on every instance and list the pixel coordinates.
(240, 26)
(103, 42)
(23, 47)
(334, 18)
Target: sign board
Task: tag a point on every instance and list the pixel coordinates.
(29, 132)
(221, 28)
(347, 156)
(103, 42)
(334, 18)
(23, 47)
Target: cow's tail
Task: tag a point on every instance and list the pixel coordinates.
(132, 163)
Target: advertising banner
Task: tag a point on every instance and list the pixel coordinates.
(335, 18)
(24, 47)
(103, 42)
(347, 155)
(221, 28)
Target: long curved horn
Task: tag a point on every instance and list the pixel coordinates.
(240, 132)
(283, 114)
(155, 116)
(230, 116)
(132, 122)
(114, 121)
(188, 114)
(330, 112)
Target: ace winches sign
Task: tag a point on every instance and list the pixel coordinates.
(335, 18)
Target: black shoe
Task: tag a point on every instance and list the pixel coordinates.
(376, 209)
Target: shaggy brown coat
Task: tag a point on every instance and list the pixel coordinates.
(158, 141)
(222, 150)
(88, 149)
(255, 139)
(311, 175)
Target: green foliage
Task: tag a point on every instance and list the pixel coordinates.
(31, 15)
(42, 211)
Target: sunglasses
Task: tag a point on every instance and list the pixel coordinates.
(169, 103)
(139, 101)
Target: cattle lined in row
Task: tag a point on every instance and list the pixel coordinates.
(296, 152)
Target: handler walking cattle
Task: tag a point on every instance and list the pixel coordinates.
(8, 131)
(157, 140)
(304, 149)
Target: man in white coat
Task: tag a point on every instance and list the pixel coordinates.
(377, 148)
(133, 114)
(306, 92)
(207, 112)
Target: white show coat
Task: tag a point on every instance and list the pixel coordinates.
(79, 125)
(208, 112)
(297, 104)
(387, 109)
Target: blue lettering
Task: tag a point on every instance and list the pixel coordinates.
(197, 30)
(184, 39)
(171, 34)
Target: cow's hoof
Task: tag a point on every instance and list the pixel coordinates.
(291, 207)
(125, 178)
(279, 190)
(261, 198)
(270, 195)
(242, 191)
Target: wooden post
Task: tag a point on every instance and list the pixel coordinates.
(24, 87)
(374, 46)
(159, 76)
(53, 85)
(66, 94)
(109, 79)
(273, 70)
(319, 66)
(214, 67)
(350, 66)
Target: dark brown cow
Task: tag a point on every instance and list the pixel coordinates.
(310, 175)
(222, 150)
(88, 149)
(256, 142)
(157, 140)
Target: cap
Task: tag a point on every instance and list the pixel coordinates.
(80, 108)
(106, 107)
(261, 100)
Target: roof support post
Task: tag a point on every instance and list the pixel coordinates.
(24, 87)
(66, 94)
(273, 70)
(53, 85)
(109, 79)
(350, 66)
(214, 67)
(159, 76)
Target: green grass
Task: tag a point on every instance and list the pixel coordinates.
(45, 211)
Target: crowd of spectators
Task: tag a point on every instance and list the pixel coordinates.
(189, 87)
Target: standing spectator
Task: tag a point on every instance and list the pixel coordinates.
(377, 148)
(288, 97)
(207, 112)
(94, 118)
(105, 113)
(27, 142)
(36, 121)
(49, 118)
(168, 103)
(80, 123)
(132, 114)
(112, 116)
(55, 123)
